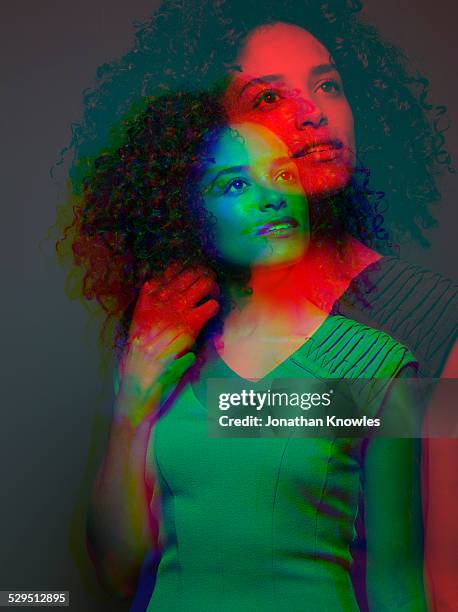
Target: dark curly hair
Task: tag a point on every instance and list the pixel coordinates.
(129, 218)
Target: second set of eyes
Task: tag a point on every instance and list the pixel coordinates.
(270, 96)
(238, 185)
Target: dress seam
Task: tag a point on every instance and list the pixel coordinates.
(277, 480)
(320, 501)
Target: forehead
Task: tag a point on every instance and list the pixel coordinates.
(245, 144)
(279, 49)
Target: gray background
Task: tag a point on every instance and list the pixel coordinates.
(54, 389)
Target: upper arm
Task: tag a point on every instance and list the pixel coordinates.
(392, 503)
(393, 519)
(440, 485)
(450, 369)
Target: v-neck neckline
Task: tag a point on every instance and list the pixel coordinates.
(218, 368)
(218, 360)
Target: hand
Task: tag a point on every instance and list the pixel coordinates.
(165, 325)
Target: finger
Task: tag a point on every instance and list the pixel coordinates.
(174, 268)
(181, 364)
(197, 318)
(214, 291)
(184, 280)
(143, 338)
(144, 330)
(177, 347)
(176, 370)
(151, 286)
(156, 283)
(161, 341)
(179, 283)
(144, 308)
(150, 311)
(203, 287)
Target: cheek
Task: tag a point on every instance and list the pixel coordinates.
(279, 119)
(228, 218)
(343, 121)
(230, 226)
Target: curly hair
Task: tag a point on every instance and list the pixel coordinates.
(129, 220)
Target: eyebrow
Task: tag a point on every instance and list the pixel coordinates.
(323, 69)
(269, 78)
(277, 164)
(223, 171)
(285, 161)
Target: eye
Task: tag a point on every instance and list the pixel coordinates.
(285, 176)
(236, 186)
(269, 96)
(331, 86)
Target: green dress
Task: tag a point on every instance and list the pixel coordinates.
(264, 523)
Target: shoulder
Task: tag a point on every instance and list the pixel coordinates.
(394, 280)
(393, 269)
(344, 348)
(416, 306)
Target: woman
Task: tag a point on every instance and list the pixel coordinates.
(391, 135)
(286, 80)
(394, 140)
(302, 99)
(238, 523)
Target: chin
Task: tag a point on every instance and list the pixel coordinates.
(283, 260)
(325, 180)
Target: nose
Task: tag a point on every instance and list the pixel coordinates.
(309, 115)
(272, 200)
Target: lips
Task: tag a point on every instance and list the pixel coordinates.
(278, 227)
(324, 148)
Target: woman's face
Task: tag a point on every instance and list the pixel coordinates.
(251, 186)
(289, 84)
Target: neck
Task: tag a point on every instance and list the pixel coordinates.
(278, 295)
(317, 280)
